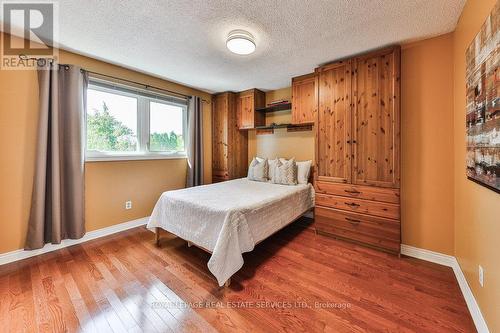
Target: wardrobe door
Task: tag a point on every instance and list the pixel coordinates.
(247, 102)
(237, 141)
(220, 116)
(333, 130)
(376, 135)
(304, 99)
(245, 111)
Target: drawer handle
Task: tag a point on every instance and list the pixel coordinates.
(352, 204)
(352, 191)
(353, 221)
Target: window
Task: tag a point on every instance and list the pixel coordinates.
(123, 123)
(165, 127)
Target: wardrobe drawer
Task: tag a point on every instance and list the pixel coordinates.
(390, 195)
(382, 209)
(370, 230)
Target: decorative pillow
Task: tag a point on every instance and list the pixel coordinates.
(285, 173)
(272, 166)
(258, 171)
(303, 171)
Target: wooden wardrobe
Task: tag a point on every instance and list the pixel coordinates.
(357, 176)
(229, 144)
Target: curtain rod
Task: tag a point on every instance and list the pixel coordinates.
(147, 86)
(24, 57)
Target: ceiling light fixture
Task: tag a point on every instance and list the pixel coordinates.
(240, 42)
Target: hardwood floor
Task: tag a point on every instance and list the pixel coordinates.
(293, 281)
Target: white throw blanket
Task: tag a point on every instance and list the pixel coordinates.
(229, 218)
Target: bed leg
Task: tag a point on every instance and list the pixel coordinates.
(190, 244)
(227, 283)
(157, 232)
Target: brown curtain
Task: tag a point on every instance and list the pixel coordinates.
(195, 142)
(57, 204)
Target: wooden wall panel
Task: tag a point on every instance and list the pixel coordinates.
(333, 157)
(376, 130)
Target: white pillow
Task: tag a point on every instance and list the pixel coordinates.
(303, 170)
(271, 166)
(285, 173)
(258, 171)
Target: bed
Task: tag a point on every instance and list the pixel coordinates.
(228, 219)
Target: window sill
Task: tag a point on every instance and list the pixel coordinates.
(134, 157)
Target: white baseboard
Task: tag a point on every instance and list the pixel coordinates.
(16, 255)
(451, 261)
(427, 255)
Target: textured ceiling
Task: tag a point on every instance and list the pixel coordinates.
(184, 40)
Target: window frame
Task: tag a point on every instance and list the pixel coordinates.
(144, 97)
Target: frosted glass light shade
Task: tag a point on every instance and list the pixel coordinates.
(240, 42)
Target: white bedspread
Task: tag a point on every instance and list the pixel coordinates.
(229, 218)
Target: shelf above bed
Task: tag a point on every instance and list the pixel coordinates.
(289, 128)
(276, 107)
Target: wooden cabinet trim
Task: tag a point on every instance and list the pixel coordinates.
(303, 77)
(332, 65)
(379, 52)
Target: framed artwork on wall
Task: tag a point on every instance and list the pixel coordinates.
(482, 79)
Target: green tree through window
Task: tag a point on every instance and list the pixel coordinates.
(106, 133)
(166, 142)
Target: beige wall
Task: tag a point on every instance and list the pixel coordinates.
(427, 144)
(477, 209)
(282, 143)
(107, 184)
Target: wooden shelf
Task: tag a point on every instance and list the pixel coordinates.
(274, 108)
(289, 127)
(274, 126)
